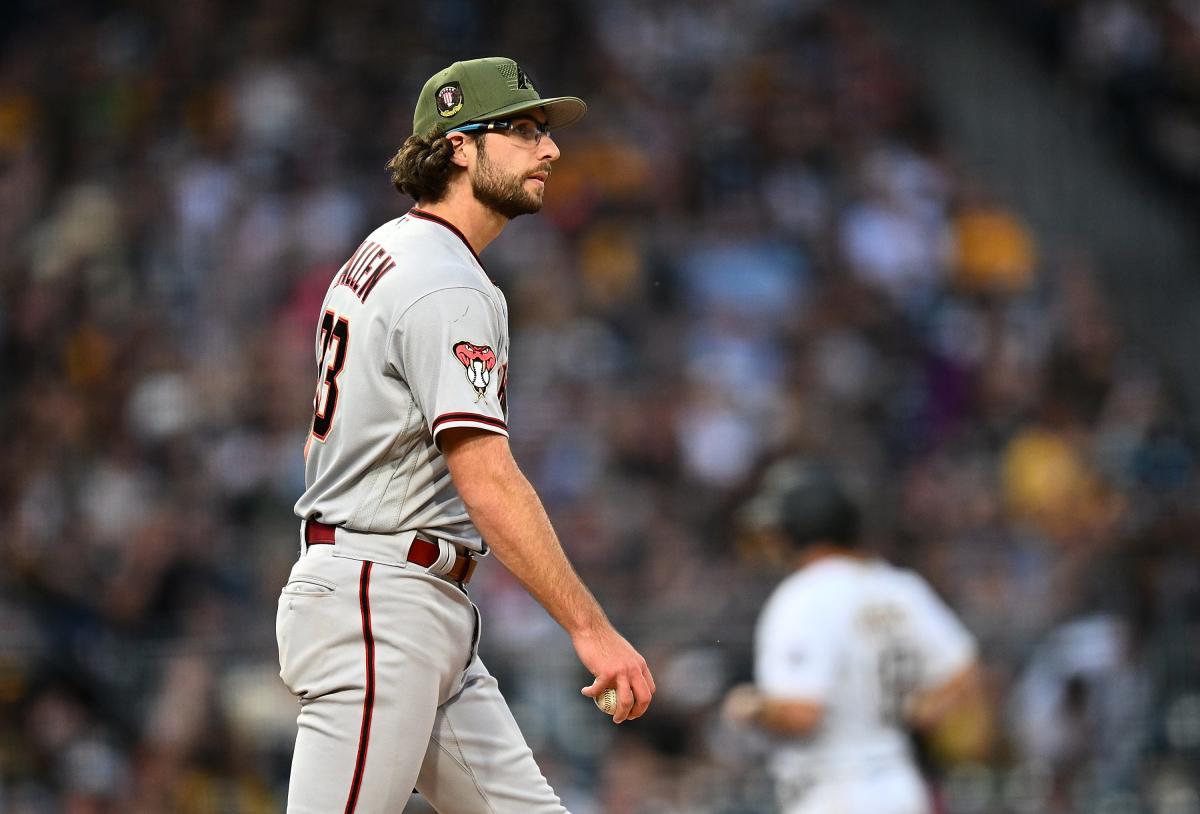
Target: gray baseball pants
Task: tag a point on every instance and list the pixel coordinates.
(393, 695)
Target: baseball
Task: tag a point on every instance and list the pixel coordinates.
(607, 701)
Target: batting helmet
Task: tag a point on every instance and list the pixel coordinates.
(804, 500)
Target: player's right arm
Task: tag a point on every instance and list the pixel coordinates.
(508, 513)
(954, 680)
(446, 346)
(964, 690)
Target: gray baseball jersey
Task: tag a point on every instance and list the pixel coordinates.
(380, 651)
(413, 341)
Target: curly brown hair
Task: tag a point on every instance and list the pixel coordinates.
(422, 168)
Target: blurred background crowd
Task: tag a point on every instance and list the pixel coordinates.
(1140, 61)
(759, 242)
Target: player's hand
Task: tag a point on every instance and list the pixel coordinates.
(743, 704)
(615, 663)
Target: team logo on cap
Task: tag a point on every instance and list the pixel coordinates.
(479, 361)
(449, 99)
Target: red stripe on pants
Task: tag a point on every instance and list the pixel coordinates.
(364, 734)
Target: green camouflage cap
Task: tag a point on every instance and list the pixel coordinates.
(486, 89)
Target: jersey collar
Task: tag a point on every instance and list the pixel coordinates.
(429, 216)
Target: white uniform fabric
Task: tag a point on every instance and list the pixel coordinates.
(858, 637)
(381, 653)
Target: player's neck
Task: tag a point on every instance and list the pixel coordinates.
(479, 224)
(822, 551)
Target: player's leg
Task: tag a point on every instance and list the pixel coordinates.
(893, 789)
(876, 788)
(371, 658)
(478, 761)
(335, 768)
(809, 797)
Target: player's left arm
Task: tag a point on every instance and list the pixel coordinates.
(745, 704)
(795, 658)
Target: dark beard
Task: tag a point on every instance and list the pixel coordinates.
(504, 196)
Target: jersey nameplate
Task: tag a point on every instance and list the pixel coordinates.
(365, 269)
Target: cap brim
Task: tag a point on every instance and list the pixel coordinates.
(561, 111)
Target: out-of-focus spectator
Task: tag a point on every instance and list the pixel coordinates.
(994, 252)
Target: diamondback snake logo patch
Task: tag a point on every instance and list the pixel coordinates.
(479, 361)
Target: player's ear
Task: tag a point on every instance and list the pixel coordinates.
(458, 143)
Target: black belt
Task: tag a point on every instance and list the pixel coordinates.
(421, 552)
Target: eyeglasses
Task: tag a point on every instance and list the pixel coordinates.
(529, 131)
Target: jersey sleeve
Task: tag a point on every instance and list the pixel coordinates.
(795, 649)
(947, 647)
(447, 347)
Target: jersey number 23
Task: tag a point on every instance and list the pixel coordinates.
(335, 336)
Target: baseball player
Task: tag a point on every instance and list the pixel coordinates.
(410, 482)
(850, 652)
